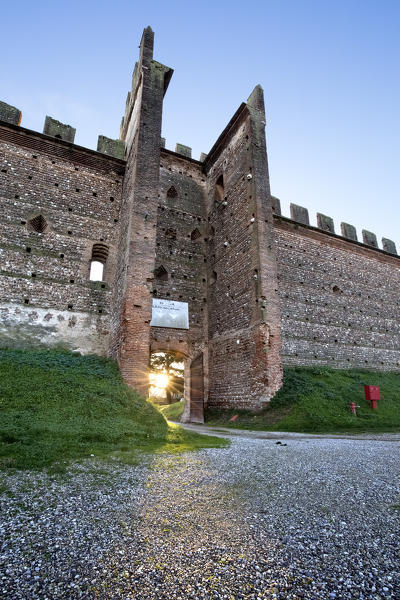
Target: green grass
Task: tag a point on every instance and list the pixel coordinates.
(317, 400)
(58, 406)
(173, 412)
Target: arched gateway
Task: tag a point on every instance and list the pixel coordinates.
(195, 383)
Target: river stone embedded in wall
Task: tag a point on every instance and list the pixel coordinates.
(31, 327)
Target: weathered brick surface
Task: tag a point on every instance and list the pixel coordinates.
(231, 286)
(299, 214)
(141, 131)
(325, 223)
(349, 231)
(181, 248)
(59, 130)
(244, 341)
(369, 238)
(111, 147)
(339, 301)
(389, 246)
(10, 114)
(50, 270)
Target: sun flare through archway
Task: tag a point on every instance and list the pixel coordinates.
(159, 380)
(166, 377)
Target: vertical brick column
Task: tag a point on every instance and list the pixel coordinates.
(243, 302)
(141, 130)
(266, 368)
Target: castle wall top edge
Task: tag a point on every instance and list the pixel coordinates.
(178, 155)
(55, 142)
(281, 219)
(241, 112)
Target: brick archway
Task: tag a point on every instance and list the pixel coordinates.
(194, 384)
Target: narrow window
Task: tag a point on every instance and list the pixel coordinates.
(161, 273)
(219, 190)
(98, 261)
(172, 193)
(38, 223)
(195, 235)
(96, 271)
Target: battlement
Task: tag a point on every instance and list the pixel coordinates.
(116, 148)
(183, 150)
(61, 131)
(105, 145)
(299, 214)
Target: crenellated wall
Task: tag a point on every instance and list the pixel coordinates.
(141, 131)
(339, 298)
(46, 297)
(262, 290)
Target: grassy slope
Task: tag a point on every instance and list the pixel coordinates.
(57, 406)
(318, 400)
(173, 412)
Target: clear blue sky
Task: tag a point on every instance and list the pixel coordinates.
(329, 69)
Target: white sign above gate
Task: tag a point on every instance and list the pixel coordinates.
(169, 313)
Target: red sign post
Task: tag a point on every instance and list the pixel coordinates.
(372, 394)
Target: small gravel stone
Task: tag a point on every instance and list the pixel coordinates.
(316, 519)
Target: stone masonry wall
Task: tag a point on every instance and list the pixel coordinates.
(339, 301)
(239, 325)
(231, 289)
(141, 131)
(181, 250)
(46, 298)
(181, 244)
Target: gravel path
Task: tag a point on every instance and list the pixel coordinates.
(285, 435)
(313, 518)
